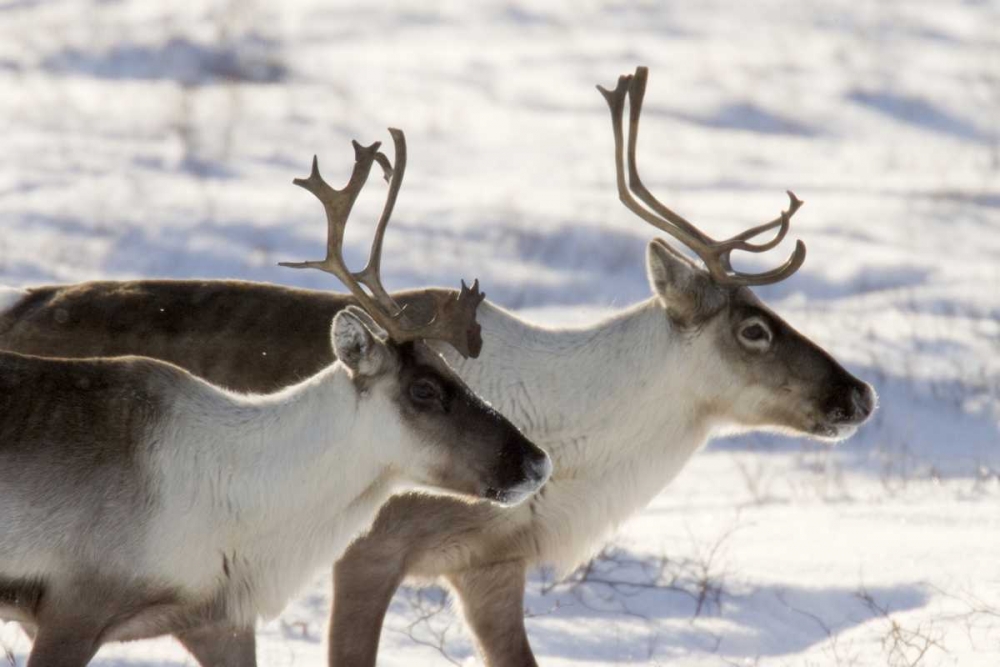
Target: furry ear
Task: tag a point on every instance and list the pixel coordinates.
(687, 292)
(359, 342)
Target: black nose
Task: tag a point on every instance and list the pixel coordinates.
(852, 404)
(521, 461)
(863, 401)
(537, 465)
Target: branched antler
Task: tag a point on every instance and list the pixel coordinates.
(454, 320)
(715, 254)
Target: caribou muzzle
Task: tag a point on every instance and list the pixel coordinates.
(848, 406)
(521, 471)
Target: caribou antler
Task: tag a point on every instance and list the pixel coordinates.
(454, 320)
(714, 253)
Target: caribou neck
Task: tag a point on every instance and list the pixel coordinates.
(277, 484)
(627, 378)
(274, 441)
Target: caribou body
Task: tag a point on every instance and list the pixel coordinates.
(139, 499)
(620, 406)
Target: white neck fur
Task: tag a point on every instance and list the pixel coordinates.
(273, 486)
(620, 406)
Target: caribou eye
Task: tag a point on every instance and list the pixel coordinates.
(424, 390)
(756, 334)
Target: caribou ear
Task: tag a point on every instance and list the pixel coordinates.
(359, 343)
(687, 292)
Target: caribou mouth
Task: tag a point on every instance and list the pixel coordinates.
(536, 472)
(833, 432)
(515, 495)
(501, 496)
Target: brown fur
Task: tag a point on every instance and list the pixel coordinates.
(283, 333)
(104, 408)
(491, 597)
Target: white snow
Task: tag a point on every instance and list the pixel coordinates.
(160, 139)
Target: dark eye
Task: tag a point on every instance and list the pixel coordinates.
(424, 390)
(757, 334)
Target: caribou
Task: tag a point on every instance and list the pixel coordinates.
(140, 500)
(620, 405)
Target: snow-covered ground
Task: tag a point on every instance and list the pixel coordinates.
(160, 139)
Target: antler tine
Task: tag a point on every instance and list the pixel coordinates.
(715, 254)
(723, 249)
(454, 320)
(616, 103)
(784, 220)
(383, 162)
(370, 276)
(466, 336)
(636, 93)
(338, 205)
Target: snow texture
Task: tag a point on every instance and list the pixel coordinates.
(145, 139)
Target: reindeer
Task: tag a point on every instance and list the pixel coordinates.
(620, 405)
(140, 500)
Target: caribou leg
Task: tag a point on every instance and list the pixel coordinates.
(492, 601)
(363, 586)
(62, 647)
(220, 647)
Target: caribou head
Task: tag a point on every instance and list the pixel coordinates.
(469, 448)
(758, 371)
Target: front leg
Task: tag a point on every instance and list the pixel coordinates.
(364, 581)
(414, 534)
(492, 601)
(63, 647)
(213, 646)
